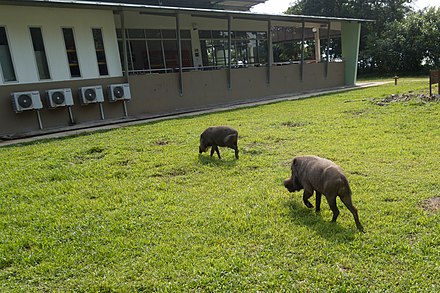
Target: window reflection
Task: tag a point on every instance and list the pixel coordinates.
(155, 50)
(247, 48)
(288, 45)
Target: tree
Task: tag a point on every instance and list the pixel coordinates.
(431, 31)
(382, 46)
(410, 45)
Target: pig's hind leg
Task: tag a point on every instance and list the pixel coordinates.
(349, 204)
(236, 150)
(231, 142)
(332, 203)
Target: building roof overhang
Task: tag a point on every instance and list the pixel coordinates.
(173, 10)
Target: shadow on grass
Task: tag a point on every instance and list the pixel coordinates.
(215, 161)
(304, 216)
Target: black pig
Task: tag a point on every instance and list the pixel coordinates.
(223, 136)
(313, 173)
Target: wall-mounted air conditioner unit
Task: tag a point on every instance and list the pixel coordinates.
(22, 101)
(118, 92)
(91, 94)
(59, 98)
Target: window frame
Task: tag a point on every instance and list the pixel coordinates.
(75, 50)
(97, 50)
(215, 43)
(10, 59)
(45, 59)
(154, 40)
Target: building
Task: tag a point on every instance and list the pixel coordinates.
(73, 64)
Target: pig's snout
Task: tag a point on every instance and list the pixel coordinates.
(202, 148)
(288, 183)
(292, 184)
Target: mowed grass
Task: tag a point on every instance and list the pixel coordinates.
(137, 209)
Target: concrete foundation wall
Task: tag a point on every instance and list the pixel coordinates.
(158, 94)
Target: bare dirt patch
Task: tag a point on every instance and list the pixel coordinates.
(431, 204)
(407, 97)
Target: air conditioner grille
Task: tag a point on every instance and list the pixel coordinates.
(58, 98)
(118, 92)
(24, 100)
(90, 95)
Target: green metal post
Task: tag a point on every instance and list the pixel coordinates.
(350, 35)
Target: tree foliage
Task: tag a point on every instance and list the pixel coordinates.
(399, 40)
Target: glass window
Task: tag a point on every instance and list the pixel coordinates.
(155, 50)
(287, 44)
(171, 55)
(262, 52)
(261, 35)
(40, 52)
(119, 33)
(219, 34)
(5, 57)
(139, 54)
(156, 54)
(213, 52)
(169, 34)
(205, 34)
(136, 33)
(72, 56)
(185, 34)
(100, 51)
(240, 35)
(247, 48)
(187, 54)
(241, 56)
(153, 34)
(121, 54)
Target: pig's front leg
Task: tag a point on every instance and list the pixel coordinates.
(216, 150)
(306, 196)
(318, 201)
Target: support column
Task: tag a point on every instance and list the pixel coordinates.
(303, 36)
(124, 44)
(229, 52)
(327, 51)
(317, 45)
(179, 49)
(269, 51)
(350, 38)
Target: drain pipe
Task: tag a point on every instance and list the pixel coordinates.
(40, 124)
(101, 110)
(72, 120)
(124, 104)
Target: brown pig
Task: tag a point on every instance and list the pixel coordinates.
(218, 136)
(317, 174)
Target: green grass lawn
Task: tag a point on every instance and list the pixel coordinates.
(137, 209)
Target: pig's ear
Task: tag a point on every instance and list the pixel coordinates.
(295, 162)
(294, 166)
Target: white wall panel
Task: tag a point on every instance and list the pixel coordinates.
(17, 21)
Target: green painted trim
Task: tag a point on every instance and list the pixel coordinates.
(350, 34)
